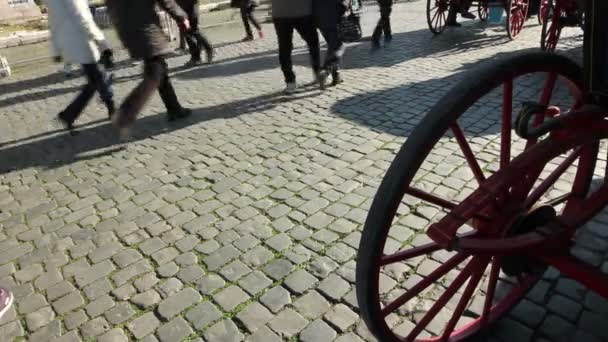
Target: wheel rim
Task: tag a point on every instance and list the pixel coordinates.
(518, 13)
(474, 268)
(437, 14)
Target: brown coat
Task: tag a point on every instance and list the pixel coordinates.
(138, 25)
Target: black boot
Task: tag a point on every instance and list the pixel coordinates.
(182, 113)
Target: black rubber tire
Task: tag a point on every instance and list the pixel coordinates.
(429, 16)
(413, 153)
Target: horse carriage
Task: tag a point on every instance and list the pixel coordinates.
(490, 190)
(442, 13)
(554, 15)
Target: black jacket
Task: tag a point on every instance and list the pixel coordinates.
(138, 25)
(327, 13)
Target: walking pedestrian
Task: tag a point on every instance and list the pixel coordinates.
(76, 39)
(327, 14)
(144, 38)
(194, 37)
(461, 7)
(384, 24)
(290, 15)
(247, 7)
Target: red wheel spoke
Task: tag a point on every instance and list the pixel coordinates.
(552, 178)
(468, 153)
(471, 267)
(465, 299)
(424, 283)
(433, 199)
(507, 117)
(558, 200)
(409, 253)
(493, 281)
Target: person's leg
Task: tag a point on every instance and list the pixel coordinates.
(252, 18)
(386, 20)
(201, 39)
(167, 93)
(284, 29)
(245, 18)
(308, 31)
(379, 26)
(335, 49)
(74, 109)
(154, 71)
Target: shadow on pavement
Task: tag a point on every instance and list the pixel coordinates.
(58, 148)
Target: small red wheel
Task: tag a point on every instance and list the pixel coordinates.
(463, 173)
(437, 14)
(517, 14)
(552, 27)
(483, 10)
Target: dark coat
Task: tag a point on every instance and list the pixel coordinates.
(327, 13)
(139, 28)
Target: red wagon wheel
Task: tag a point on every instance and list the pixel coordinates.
(483, 10)
(543, 10)
(517, 14)
(552, 27)
(409, 287)
(437, 15)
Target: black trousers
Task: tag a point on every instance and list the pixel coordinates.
(194, 37)
(156, 78)
(335, 49)
(307, 30)
(384, 24)
(247, 16)
(96, 82)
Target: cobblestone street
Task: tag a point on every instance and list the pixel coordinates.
(242, 222)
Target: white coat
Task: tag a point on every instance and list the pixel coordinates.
(74, 35)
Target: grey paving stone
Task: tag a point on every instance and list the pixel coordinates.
(565, 307)
(202, 315)
(95, 272)
(334, 287)
(15, 329)
(221, 257)
(131, 271)
(278, 269)
(68, 303)
(32, 303)
(312, 305)
(124, 292)
(146, 282)
(178, 302)
(288, 323)
(174, 331)
(300, 281)
(254, 282)
(75, 319)
(146, 299)
(264, 334)
(209, 283)
(257, 256)
(94, 327)
(341, 317)
(254, 316)
(224, 331)
(39, 318)
(99, 306)
(126, 257)
(143, 325)
(97, 288)
(120, 313)
(230, 297)
(555, 327)
(276, 298)
(322, 266)
(186, 259)
(593, 324)
(167, 270)
(114, 335)
(234, 271)
(279, 242)
(318, 331)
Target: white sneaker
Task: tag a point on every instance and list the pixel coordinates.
(291, 88)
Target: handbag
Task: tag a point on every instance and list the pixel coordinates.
(349, 28)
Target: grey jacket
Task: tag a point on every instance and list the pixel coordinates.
(138, 25)
(291, 8)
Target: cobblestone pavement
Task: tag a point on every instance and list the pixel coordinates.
(242, 222)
